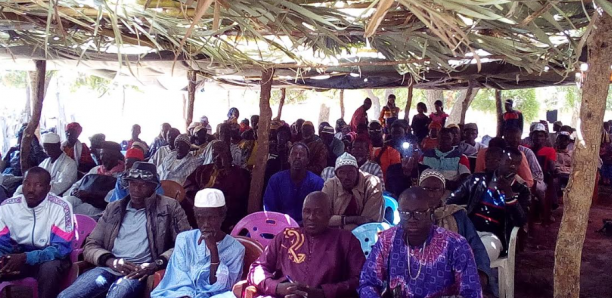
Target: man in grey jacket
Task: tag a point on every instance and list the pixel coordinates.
(133, 239)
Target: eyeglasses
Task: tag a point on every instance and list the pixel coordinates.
(140, 174)
(418, 215)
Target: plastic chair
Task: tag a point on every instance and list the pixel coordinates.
(505, 267)
(263, 226)
(368, 234)
(173, 190)
(391, 210)
(83, 225)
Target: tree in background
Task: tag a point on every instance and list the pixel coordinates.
(524, 99)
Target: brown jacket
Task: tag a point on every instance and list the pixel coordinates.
(368, 193)
(165, 220)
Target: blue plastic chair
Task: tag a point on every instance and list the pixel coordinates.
(391, 210)
(368, 234)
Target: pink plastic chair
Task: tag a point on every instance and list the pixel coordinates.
(263, 226)
(83, 225)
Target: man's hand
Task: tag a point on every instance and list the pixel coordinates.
(505, 185)
(358, 220)
(122, 266)
(13, 263)
(297, 290)
(143, 271)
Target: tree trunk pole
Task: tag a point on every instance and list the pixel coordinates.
(408, 102)
(342, 103)
(263, 142)
(39, 95)
(500, 113)
(281, 103)
(574, 223)
(467, 101)
(192, 77)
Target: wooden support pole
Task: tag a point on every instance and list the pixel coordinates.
(577, 200)
(467, 101)
(500, 112)
(263, 142)
(342, 103)
(38, 92)
(281, 103)
(192, 77)
(408, 102)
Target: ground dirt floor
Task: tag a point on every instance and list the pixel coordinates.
(534, 268)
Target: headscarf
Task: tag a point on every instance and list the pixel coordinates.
(75, 126)
(231, 112)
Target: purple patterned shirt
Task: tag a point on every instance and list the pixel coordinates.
(448, 267)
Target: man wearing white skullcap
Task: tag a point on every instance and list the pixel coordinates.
(356, 196)
(206, 262)
(62, 168)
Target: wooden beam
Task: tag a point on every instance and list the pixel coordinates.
(408, 101)
(500, 112)
(281, 103)
(192, 77)
(577, 200)
(39, 95)
(263, 142)
(342, 103)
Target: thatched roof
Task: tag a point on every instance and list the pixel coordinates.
(447, 42)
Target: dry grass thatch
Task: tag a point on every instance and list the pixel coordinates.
(416, 35)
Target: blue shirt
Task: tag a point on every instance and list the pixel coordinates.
(188, 272)
(283, 196)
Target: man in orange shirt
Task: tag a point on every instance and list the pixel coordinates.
(523, 171)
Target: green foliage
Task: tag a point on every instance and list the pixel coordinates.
(292, 96)
(15, 79)
(524, 99)
(95, 83)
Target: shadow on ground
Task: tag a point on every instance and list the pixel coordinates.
(534, 269)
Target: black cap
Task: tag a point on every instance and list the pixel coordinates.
(143, 171)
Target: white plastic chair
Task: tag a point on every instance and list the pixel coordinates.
(506, 268)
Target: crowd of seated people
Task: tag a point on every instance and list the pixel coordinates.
(458, 200)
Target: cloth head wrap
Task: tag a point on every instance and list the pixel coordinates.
(74, 126)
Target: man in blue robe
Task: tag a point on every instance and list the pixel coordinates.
(206, 262)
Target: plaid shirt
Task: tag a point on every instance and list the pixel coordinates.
(369, 167)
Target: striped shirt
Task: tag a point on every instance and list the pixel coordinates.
(534, 164)
(369, 167)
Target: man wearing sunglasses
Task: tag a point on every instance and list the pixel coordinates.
(419, 259)
(134, 238)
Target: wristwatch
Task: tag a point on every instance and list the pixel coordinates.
(160, 263)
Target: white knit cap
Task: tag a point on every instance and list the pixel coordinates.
(538, 127)
(346, 160)
(50, 138)
(209, 198)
